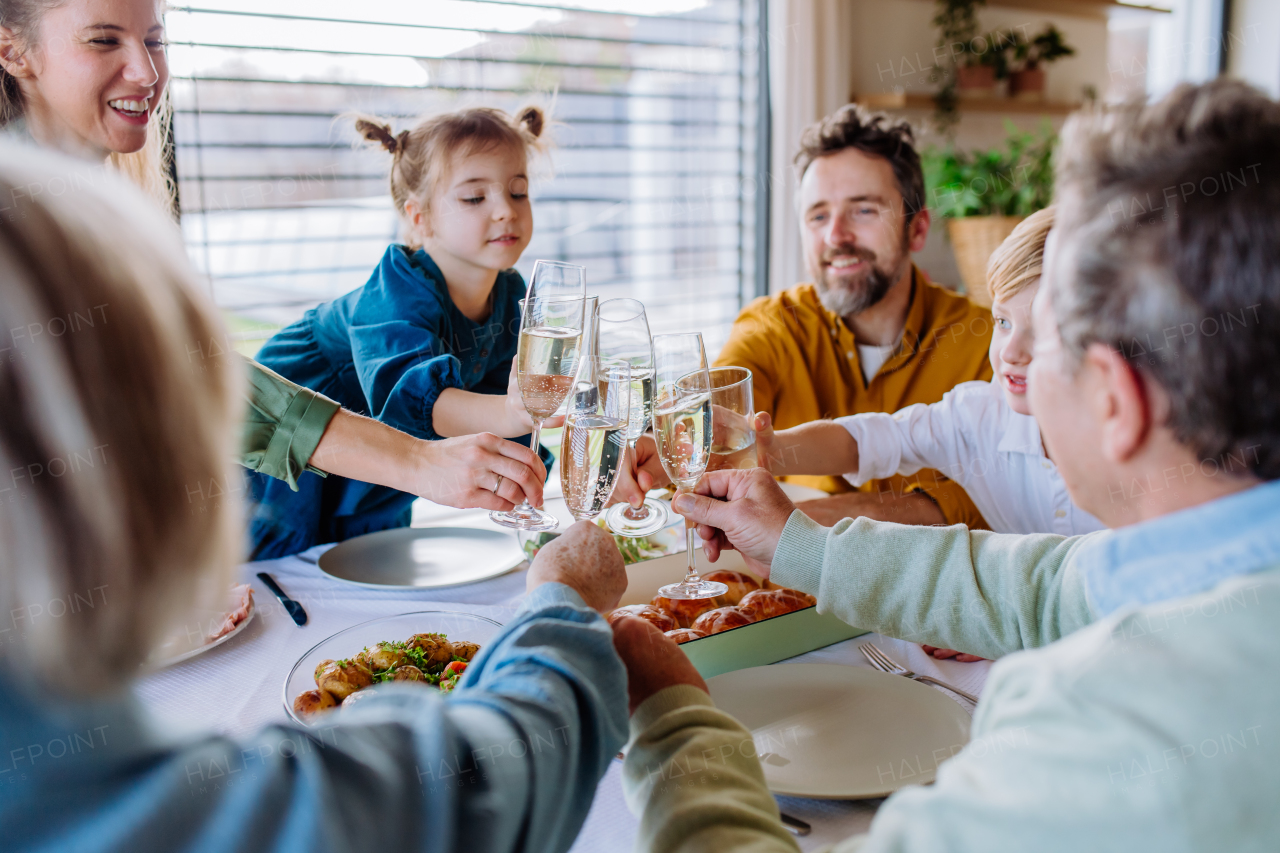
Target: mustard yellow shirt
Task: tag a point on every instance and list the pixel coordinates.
(804, 363)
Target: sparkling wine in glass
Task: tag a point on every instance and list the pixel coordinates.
(733, 438)
(594, 446)
(682, 427)
(622, 331)
(546, 362)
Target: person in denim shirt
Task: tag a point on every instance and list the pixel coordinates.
(100, 565)
(427, 344)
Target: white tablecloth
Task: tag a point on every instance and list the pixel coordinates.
(237, 688)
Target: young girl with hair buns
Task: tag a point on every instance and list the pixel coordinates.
(426, 344)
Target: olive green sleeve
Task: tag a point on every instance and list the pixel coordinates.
(282, 425)
(692, 776)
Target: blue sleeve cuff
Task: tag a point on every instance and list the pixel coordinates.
(552, 595)
(444, 372)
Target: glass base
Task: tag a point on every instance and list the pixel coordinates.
(655, 518)
(525, 518)
(694, 590)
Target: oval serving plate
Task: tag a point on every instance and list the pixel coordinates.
(422, 557)
(841, 732)
(348, 642)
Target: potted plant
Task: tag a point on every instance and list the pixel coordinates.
(983, 63)
(957, 23)
(983, 195)
(1026, 82)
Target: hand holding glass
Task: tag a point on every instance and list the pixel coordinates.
(547, 359)
(682, 427)
(623, 333)
(733, 438)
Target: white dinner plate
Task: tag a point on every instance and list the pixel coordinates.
(189, 641)
(841, 732)
(423, 557)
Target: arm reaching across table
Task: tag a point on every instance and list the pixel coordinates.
(982, 592)
(290, 429)
(509, 762)
(691, 772)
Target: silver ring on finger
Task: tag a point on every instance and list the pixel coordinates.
(497, 484)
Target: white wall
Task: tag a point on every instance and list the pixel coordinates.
(1253, 43)
(879, 46)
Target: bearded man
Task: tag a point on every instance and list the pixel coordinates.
(871, 333)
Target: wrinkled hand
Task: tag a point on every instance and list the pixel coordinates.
(740, 510)
(586, 559)
(654, 661)
(461, 472)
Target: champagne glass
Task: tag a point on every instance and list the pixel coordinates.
(622, 331)
(682, 426)
(733, 440)
(594, 447)
(551, 326)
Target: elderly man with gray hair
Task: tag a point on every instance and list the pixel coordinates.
(1135, 704)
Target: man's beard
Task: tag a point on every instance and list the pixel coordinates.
(853, 296)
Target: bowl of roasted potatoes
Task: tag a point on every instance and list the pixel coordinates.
(428, 648)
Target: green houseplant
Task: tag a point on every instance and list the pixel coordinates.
(983, 195)
(957, 23)
(1027, 79)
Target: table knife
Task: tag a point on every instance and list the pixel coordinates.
(795, 825)
(293, 608)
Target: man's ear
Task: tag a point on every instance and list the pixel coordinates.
(1121, 402)
(13, 59)
(918, 230)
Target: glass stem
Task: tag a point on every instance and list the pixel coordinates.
(635, 513)
(533, 445)
(690, 576)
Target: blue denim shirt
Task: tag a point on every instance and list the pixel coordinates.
(509, 762)
(389, 348)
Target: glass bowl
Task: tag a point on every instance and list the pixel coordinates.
(349, 642)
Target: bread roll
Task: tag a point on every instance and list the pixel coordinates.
(686, 610)
(739, 583)
(767, 603)
(721, 619)
(684, 635)
(661, 619)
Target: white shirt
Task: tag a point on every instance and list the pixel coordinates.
(871, 358)
(973, 437)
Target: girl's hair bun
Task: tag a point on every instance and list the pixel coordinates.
(381, 133)
(533, 121)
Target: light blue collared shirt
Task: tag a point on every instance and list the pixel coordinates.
(1184, 552)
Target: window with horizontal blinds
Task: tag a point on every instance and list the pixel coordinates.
(652, 182)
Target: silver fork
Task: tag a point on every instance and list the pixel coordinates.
(884, 663)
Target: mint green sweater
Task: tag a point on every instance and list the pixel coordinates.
(1105, 725)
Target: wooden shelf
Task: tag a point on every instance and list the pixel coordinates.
(924, 101)
(1102, 9)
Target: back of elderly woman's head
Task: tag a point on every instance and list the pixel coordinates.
(115, 427)
(1168, 229)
